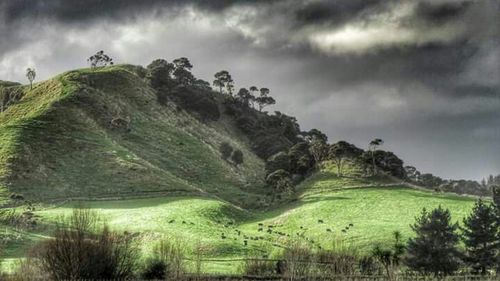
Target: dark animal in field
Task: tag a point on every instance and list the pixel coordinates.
(343, 230)
(269, 231)
(351, 225)
(245, 242)
(183, 222)
(260, 229)
(320, 221)
(261, 224)
(328, 230)
(223, 236)
(171, 221)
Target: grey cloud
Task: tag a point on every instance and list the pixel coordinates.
(434, 101)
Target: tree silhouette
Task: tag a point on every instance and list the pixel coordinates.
(480, 237)
(31, 74)
(100, 59)
(434, 249)
(372, 147)
(224, 79)
(264, 99)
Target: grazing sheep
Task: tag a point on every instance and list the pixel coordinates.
(328, 230)
(343, 230)
(320, 221)
(171, 221)
(183, 222)
(260, 229)
(351, 225)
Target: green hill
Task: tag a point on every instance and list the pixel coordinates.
(59, 141)
(152, 168)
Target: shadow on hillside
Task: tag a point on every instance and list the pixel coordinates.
(136, 203)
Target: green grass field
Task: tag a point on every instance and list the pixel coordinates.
(200, 223)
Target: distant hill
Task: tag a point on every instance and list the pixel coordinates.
(104, 134)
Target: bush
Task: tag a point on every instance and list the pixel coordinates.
(258, 267)
(225, 150)
(80, 250)
(166, 262)
(279, 161)
(237, 157)
(298, 261)
(154, 270)
(337, 263)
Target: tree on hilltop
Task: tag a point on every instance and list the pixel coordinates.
(31, 74)
(182, 71)
(264, 99)
(374, 144)
(100, 59)
(342, 151)
(224, 80)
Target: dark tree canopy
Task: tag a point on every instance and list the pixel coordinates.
(100, 59)
(435, 247)
(342, 151)
(225, 150)
(183, 63)
(224, 80)
(160, 73)
(237, 157)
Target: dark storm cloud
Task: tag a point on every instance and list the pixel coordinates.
(422, 74)
(441, 12)
(78, 10)
(334, 12)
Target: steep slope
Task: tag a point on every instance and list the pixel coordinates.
(97, 134)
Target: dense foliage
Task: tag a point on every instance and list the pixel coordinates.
(435, 248)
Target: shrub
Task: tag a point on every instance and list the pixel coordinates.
(225, 150)
(82, 250)
(279, 161)
(167, 262)
(258, 267)
(154, 270)
(298, 260)
(237, 157)
(337, 263)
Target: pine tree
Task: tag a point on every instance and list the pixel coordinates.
(480, 237)
(434, 249)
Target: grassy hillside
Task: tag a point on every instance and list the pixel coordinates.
(374, 208)
(154, 170)
(58, 142)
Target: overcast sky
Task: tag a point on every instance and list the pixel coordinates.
(422, 75)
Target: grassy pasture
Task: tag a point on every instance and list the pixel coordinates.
(317, 216)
